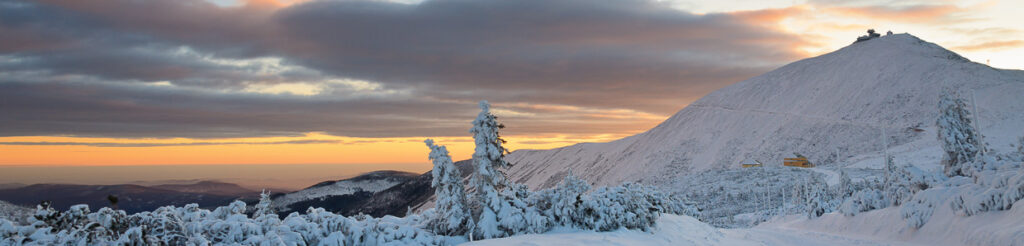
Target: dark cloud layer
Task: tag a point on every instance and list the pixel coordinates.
(76, 68)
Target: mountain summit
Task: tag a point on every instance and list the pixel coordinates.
(832, 108)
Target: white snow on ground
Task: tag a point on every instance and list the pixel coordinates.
(944, 227)
(924, 153)
(879, 227)
(696, 233)
(683, 230)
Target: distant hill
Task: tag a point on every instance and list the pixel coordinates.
(340, 195)
(11, 185)
(212, 187)
(131, 198)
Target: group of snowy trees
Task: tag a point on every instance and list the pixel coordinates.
(191, 225)
(973, 180)
(497, 207)
(494, 207)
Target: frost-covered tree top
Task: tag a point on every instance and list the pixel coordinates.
(488, 142)
(488, 157)
(444, 168)
(264, 206)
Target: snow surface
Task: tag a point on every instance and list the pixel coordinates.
(683, 230)
(877, 227)
(944, 227)
(835, 103)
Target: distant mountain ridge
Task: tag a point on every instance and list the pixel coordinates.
(212, 187)
(131, 198)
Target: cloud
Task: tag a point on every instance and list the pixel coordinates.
(992, 46)
(918, 13)
(366, 68)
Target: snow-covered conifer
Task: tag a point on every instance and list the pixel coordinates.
(815, 201)
(263, 207)
(489, 180)
(450, 209)
(862, 201)
(845, 184)
(918, 210)
(959, 138)
(566, 200)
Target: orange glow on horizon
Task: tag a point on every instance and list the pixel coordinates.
(267, 150)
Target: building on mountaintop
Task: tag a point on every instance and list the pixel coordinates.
(871, 34)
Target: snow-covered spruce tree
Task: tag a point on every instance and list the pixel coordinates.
(489, 180)
(862, 201)
(816, 201)
(450, 210)
(846, 188)
(517, 216)
(630, 205)
(563, 202)
(263, 207)
(903, 181)
(918, 210)
(959, 138)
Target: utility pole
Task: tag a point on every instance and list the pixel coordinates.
(977, 123)
(885, 146)
(837, 156)
(784, 201)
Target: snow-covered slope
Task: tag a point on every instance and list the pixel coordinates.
(14, 212)
(371, 182)
(835, 103)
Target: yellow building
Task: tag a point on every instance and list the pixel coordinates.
(797, 161)
(750, 163)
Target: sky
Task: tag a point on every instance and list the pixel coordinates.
(195, 82)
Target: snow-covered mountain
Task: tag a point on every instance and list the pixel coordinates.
(832, 108)
(337, 194)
